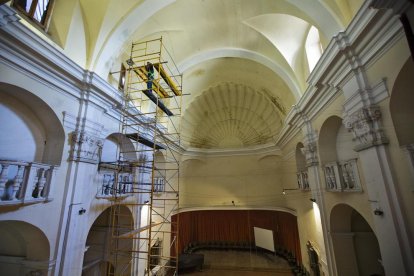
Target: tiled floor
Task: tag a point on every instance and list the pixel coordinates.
(240, 263)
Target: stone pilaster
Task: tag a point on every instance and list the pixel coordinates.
(310, 150)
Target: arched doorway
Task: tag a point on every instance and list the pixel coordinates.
(105, 252)
(355, 245)
(24, 249)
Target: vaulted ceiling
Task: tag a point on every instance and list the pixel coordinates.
(244, 62)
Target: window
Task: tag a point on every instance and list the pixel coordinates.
(37, 10)
(313, 47)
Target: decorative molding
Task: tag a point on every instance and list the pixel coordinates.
(260, 149)
(70, 121)
(7, 16)
(310, 149)
(380, 92)
(366, 127)
(85, 147)
(214, 208)
(398, 6)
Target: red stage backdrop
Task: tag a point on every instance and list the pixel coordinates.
(237, 226)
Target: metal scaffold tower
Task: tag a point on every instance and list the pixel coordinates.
(147, 169)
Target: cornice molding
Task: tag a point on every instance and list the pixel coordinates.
(398, 6)
(236, 208)
(257, 150)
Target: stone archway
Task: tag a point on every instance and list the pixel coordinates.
(24, 249)
(355, 245)
(104, 253)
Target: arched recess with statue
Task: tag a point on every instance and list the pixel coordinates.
(355, 244)
(24, 249)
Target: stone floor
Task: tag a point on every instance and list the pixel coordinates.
(240, 263)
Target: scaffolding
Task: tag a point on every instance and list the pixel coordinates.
(146, 178)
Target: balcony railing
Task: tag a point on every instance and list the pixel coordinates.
(113, 185)
(25, 182)
(342, 176)
(303, 182)
(159, 184)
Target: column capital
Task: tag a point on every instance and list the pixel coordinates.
(365, 124)
(7, 15)
(85, 147)
(310, 149)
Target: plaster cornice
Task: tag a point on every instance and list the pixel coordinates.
(237, 208)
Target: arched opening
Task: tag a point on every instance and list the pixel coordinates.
(313, 47)
(338, 159)
(160, 174)
(31, 131)
(301, 170)
(116, 148)
(355, 245)
(401, 105)
(103, 237)
(402, 112)
(24, 249)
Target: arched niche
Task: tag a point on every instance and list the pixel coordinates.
(401, 104)
(118, 146)
(300, 157)
(338, 159)
(31, 131)
(24, 249)
(114, 221)
(301, 170)
(355, 244)
(160, 174)
(327, 139)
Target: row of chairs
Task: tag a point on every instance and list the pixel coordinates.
(297, 269)
(217, 245)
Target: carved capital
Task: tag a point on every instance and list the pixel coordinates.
(7, 15)
(311, 154)
(85, 147)
(365, 125)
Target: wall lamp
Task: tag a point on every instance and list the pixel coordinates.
(312, 199)
(284, 190)
(82, 211)
(378, 212)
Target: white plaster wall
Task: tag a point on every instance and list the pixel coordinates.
(217, 181)
(22, 135)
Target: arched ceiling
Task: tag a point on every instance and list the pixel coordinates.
(247, 54)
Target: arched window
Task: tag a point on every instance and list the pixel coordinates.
(313, 47)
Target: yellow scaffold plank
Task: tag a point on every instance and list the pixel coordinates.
(167, 79)
(132, 233)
